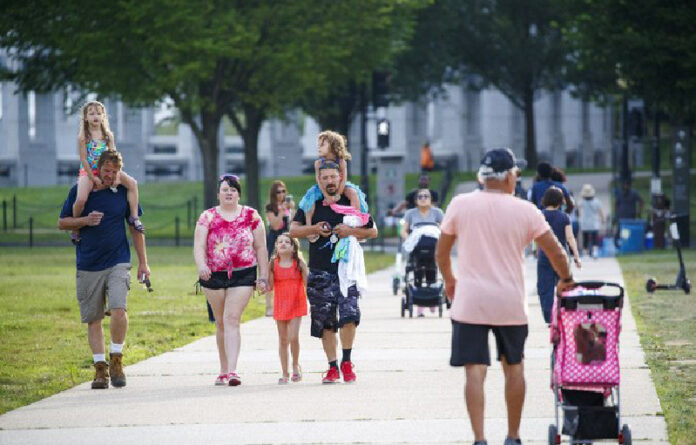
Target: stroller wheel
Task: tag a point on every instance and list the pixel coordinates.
(625, 435)
(439, 309)
(395, 285)
(403, 307)
(687, 286)
(651, 285)
(554, 438)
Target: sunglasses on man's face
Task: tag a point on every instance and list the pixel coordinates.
(423, 196)
(280, 191)
(229, 176)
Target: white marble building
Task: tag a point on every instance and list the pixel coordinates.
(38, 137)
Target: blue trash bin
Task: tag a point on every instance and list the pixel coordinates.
(631, 235)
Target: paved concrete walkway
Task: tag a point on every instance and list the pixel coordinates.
(405, 393)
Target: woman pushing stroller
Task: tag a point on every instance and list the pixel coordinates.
(422, 225)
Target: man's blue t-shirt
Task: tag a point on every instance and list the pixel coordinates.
(104, 245)
(540, 187)
(558, 222)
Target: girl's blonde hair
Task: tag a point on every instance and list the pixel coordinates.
(337, 144)
(296, 252)
(84, 124)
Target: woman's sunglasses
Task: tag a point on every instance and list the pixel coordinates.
(423, 196)
(281, 191)
(229, 176)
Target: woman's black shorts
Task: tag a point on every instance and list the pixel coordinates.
(238, 278)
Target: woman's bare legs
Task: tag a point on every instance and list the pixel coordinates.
(216, 298)
(236, 300)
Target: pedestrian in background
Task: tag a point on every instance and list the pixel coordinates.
(559, 221)
(542, 182)
(427, 162)
(591, 219)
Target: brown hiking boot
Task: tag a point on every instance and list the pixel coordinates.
(101, 376)
(118, 378)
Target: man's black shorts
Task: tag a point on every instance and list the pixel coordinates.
(325, 299)
(470, 343)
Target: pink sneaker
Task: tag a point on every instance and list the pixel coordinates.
(347, 371)
(222, 380)
(234, 379)
(331, 376)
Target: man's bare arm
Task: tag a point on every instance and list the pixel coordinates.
(298, 230)
(71, 223)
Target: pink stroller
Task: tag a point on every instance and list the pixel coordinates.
(585, 373)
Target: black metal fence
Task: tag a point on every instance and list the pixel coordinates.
(27, 224)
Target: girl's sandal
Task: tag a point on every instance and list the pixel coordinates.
(283, 381)
(297, 376)
(137, 225)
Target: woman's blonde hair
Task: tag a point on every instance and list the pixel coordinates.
(337, 143)
(84, 124)
(296, 252)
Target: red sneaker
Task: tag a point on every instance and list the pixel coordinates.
(347, 371)
(331, 376)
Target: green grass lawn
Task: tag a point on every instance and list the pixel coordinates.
(44, 346)
(666, 323)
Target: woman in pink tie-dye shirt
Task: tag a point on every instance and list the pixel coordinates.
(229, 247)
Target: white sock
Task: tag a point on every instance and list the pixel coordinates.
(116, 348)
(98, 358)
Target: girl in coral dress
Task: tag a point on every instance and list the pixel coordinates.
(287, 277)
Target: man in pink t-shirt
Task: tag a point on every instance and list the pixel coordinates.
(491, 228)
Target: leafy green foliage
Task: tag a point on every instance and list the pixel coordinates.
(246, 60)
(515, 46)
(648, 48)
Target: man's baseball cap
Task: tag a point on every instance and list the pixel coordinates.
(499, 160)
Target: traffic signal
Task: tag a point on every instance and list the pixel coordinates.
(383, 133)
(380, 89)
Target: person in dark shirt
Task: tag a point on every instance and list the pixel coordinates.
(628, 203)
(103, 266)
(323, 287)
(543, 182)
(410, 201)
(547, 279)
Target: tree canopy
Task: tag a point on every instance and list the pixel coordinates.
(517, 47)
(647, 47)
(250, 59)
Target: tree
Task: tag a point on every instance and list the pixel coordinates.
(647, 47)
(517, 47)
(378, 38)
(243, 59)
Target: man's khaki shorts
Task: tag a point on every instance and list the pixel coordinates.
(93, 288)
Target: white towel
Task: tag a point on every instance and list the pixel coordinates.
(352, 272)
(415, 236)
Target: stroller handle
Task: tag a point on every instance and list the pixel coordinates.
(598, 284)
